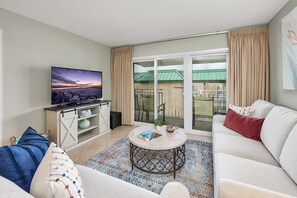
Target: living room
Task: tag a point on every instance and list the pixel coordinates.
(180, 67)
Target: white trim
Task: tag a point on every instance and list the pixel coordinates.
(179, 55)
(183, 37)
(1, 87)
(188, 93)
(227, 81)
(156, 89)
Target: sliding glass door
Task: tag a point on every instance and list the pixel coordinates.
(144, 101)
(184, 90)
(209, 75)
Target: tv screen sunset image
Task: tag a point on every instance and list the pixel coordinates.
(73, 85)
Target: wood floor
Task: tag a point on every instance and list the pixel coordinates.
(81, 154)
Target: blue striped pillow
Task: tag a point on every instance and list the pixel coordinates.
(19, 162)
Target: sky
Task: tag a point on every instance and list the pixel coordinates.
(74, 77)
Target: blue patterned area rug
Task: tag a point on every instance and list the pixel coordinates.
(196, 174)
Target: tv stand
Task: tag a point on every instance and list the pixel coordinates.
(63, 122)
(72, 104)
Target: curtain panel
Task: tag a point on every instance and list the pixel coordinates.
(249, 66)
(122, 83)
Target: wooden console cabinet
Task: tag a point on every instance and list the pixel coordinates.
(63, 123)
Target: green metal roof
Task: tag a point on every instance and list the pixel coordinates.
(175, 75)
(209, 75)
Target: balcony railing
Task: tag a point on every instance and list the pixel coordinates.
(174, 100)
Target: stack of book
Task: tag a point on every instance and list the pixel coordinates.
(148, 135)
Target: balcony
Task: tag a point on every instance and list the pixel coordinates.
(206, 103)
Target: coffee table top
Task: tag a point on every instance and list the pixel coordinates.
(165, 142)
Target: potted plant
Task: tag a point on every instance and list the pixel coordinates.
(158, 122)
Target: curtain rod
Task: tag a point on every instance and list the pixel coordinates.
(184, 37)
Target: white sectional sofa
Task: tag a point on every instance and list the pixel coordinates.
(97, 184)
(245, 168)
(100, 185)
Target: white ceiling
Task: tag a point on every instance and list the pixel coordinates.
(122, 22)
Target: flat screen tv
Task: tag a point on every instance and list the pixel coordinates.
(75, 85)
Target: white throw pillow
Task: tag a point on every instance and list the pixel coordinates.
(56, 176)
(241, 110)
(261, 108)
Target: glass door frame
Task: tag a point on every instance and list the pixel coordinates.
(187, 57)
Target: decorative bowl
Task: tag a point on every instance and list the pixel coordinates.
(170, 128)
(84, 124)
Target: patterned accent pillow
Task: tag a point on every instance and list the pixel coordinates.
(56, 176)
(241, 110)
(19, 162)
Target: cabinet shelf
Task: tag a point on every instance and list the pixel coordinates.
(80, 131)
(86, 117)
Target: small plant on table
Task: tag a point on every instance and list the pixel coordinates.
(158, 122)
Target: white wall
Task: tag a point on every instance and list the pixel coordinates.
(277, 94)
(183, 45)
(30, 48)
(1, 87)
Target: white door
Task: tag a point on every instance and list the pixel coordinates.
(104, 118)
(68, 129)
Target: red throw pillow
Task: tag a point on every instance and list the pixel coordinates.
(244, 125)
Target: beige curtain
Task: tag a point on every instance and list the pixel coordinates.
(122, 83)
(249, 66)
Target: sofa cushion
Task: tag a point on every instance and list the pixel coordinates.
(10, 189)
(254, 173)
(97, 184)
(276, 128)
(233, 189)
(260, 108)
(288, 157)
(19, 162)
(219, 118)
(56, 176)
(218, 127)
(242, 147)
(245, 125)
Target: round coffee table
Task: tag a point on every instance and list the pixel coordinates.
(161, 155)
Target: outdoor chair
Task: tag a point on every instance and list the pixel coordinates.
(148, 106)
(203, 106)
(137, 107)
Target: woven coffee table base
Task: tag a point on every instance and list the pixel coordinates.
(158, 161)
